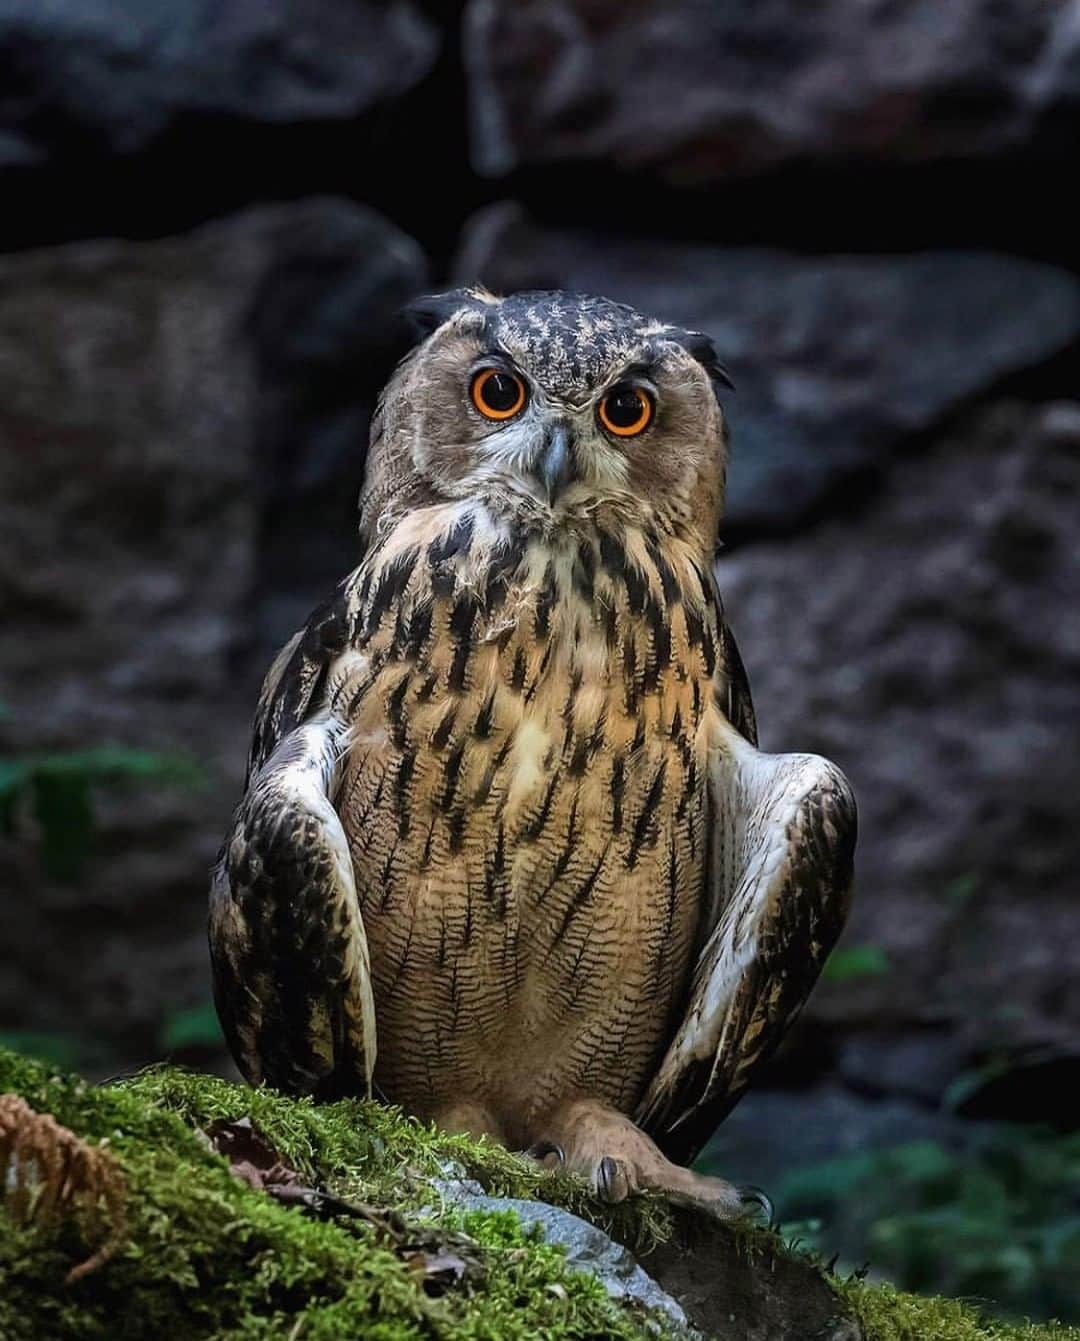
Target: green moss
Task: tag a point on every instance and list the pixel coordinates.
(371, 1152)
(206, 1256)
(887, 1314)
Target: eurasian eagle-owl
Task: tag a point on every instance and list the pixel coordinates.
(507, 847)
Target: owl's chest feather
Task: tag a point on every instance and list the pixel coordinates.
(520, 657)
(525, 801)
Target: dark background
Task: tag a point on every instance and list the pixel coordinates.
(210, 213)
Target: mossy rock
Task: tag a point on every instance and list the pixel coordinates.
(205, 1255)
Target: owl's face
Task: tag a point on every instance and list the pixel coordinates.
(551, 404)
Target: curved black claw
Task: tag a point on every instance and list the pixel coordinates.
(611, 1181)
(549, 1154)
(755, 1197)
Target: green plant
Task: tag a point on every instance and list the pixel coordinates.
(56, 791)
(962, 889)
(1000, 1223)
(204, 1254)
(851, 962)
(193, 1027)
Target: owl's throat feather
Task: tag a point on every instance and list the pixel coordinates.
(608, 603)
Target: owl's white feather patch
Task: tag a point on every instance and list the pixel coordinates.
(305, 771)
(349, 670)
(531, 745)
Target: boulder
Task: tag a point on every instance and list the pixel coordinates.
(697, 93)
(921, 644)
(729, 1281)
(111, 77)
(587, 1247)
(147, 392)
(836, 359)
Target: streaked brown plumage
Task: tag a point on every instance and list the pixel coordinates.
(507, 842)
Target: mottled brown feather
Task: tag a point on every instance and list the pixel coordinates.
(504, 806)
(517, 790)
(790, 821)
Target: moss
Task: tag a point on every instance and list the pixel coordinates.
(206, 1256)
(369, 1151)
(887, 1314)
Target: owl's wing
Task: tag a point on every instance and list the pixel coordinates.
(736, 701)
(296, 677)
(781, 848)
(292, 978)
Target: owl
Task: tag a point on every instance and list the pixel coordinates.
(508, 854)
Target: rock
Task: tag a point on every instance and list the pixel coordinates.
(921, 644)
(587, 1247)
(324, 335)
(835, 359)
(138, 388)
(696, 93)
(112, 78)
(737, 1286)
(1042, 1086)
(919, 1065)
(733, 1285)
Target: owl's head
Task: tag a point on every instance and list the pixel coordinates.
(551, 405)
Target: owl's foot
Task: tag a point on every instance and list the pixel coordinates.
(469, 1118)
(617, 1158)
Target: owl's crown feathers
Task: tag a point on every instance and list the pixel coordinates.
(571, 340)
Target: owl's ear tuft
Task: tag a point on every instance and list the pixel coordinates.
(425, 315)
(700, 346)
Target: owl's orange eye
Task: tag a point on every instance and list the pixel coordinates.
(497, 394)
(626, 410)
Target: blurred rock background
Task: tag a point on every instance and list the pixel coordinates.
(209, 214)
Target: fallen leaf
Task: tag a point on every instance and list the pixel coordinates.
(438, 1259)
(48, 1174)
(437, 1272)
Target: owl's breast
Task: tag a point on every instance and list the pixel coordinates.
(525, 809)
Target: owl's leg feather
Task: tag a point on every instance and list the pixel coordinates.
(467, 1117)
(617, 1158)
(292, 978)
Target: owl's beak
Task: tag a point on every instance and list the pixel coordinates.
(555, 465)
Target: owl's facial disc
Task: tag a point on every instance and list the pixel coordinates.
(522, 436)
(554, 400)
(547, 443)
(540, 451)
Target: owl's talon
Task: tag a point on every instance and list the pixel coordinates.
(612, 1183)
(757, 1202)
(548, 1154)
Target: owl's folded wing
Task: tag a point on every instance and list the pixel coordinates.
(292, 684)
(292, 978)
(782, 842)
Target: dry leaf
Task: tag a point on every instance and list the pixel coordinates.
(48, 1174)
(439, 1259)
(437, 1271)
